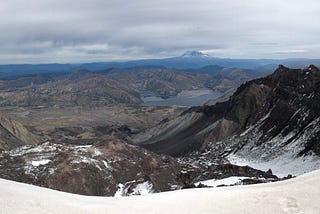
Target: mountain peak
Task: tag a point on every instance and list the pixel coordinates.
(195, 54)
(313, 68)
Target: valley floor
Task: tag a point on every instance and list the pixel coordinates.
(298, 195)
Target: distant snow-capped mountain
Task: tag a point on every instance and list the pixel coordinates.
(195, 54)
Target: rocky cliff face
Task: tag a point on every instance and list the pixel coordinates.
(285, 128)
(265, 119)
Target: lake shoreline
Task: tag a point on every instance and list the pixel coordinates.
(186, 98)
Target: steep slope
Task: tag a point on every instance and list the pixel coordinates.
(185, 133)
(268, 118)
(223, 98)
(14, 134)
(298, 195)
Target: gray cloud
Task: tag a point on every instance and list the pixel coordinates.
(100, 30)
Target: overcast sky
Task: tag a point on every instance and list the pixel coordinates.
(39, 31)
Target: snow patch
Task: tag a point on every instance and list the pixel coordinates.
(247, 131)
(87, 160)
(140, 189)
(226, 181)
(280, 166)
(119, 191)
(265, 117)
(97, 152)
(209, 128)
(45, 147)
(40, 162)
(51, 171)
(143, 188)
(83, 146)
(105, 164)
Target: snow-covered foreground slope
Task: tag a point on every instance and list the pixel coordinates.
(298, 195)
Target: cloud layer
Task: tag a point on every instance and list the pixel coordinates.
(40, 31)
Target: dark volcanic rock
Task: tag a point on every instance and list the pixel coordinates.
(110, 168)
(88, 170)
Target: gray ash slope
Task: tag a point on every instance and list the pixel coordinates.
(276, 117)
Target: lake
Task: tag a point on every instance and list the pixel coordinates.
(184, 98)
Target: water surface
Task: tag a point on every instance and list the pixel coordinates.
(185, 98)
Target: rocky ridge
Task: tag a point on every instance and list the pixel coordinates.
(276, 117)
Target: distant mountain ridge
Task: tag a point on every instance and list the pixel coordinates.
(188, 60)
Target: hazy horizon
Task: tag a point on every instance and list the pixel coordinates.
(138, 59)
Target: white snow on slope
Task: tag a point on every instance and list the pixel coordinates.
(226, 181)
(143, 188)
(280, 166)
(298, 195)
(40, 162)
(119, 191)
(281, 154)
